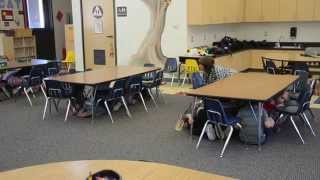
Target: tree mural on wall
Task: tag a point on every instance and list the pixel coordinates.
(150, 50)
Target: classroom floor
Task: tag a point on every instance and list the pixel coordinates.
(28, 140)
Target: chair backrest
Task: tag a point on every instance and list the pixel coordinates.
(270, 66)
(304, 100)
(300, 66)
(35, 76)
(57, 89)
(197, 80)
(302, 82)
(191, 65)
(71, 57)
(171, 65)
(159, 78)
(135, 83)
(118, 87)
(215, 111)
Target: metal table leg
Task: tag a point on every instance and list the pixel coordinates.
(93, 103)
(258, 118)
(192, 114)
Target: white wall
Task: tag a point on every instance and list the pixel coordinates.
(205, 35)
(65, 7)
(132, 29)
(77, 30)
(307, 31)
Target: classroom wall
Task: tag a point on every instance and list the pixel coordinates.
(132, 29)
(65, 7)
(78, 43)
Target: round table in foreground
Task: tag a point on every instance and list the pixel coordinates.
(128, 170)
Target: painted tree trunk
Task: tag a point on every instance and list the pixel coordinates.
(150, 50)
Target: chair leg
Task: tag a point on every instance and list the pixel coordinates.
(27, 94)
(143, 102)
(172, 79)
(308, 123)
(109, 112)
(56, 104)
(5, 91)
(311, 113)
(45, 109)
(296, 128)
(162, 97)
(227, 141)
(125, 105)
(202, 133)
(154, 101)
(68, 109)
(184, 80)
(31, 90)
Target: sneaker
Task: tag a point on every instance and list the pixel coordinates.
(210, 132)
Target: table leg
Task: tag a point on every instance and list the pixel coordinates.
(258, 118)
(193, 111)
(179, 74)
(93, 103)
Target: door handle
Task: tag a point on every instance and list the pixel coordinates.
(110, 36)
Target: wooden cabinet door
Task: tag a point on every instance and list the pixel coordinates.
(195, 12)
(233, 10)
(317, 10)
(253, 10)
(206, 12)
(305, 10)
(288, 10)
(270, 10)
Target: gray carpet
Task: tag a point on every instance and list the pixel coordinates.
(27, 140)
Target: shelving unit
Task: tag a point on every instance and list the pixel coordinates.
(21, 46)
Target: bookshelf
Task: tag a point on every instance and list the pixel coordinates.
(21, 46)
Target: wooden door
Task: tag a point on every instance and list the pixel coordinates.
(99, 41)
(305, 10)
(270, 10)
(253, 10)
(288, 10)
(195, 12)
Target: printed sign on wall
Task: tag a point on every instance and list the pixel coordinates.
(122, 11)
(7, 15)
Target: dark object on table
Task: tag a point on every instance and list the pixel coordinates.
(105, 174)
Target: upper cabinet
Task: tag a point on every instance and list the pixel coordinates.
(203, 12)
(288, 10)
(270, 10)
(195, 12)
(306, 10)
(317, 10)
(253, 10)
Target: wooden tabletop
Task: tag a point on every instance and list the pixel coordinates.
(17, 65)
(104, 75)
(246, 86)
(128, 170)
(294, 58)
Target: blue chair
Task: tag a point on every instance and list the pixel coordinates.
(298, 110)
(55, 90)
(135, 88)
(171, 67)
(197, 80)
(216, 115)
(116, 92)
(157, 78)
(32, 80)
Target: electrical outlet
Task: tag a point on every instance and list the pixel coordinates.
(266, 34)
(192, 38)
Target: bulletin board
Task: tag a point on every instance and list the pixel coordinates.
(12, 15)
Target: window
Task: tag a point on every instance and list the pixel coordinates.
(35, 14)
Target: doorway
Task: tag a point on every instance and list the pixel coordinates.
(99, 33)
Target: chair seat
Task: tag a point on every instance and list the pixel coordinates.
(291, 110)
(232, 120)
